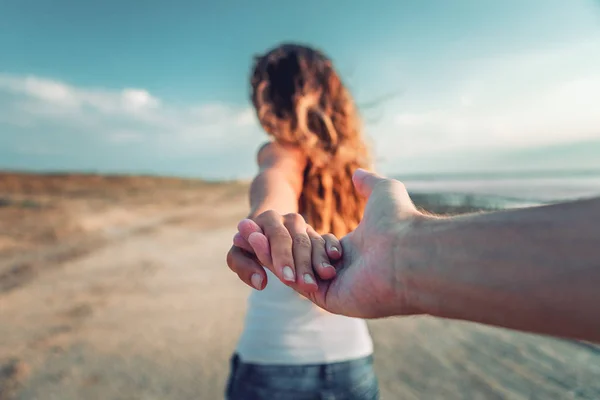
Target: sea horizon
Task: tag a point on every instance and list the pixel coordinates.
(506, 188)
(497, 189)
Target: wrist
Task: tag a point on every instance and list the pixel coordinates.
(415, 265)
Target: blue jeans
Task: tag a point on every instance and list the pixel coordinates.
(349, 380)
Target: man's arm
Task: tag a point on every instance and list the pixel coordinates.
(534, 269)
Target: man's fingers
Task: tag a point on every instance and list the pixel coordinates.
(395, 191)
(365, 181)
(333, 246)
(302, 252)
(320, 259)
(246, 268)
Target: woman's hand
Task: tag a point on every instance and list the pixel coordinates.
(286, 244)
(376, 277)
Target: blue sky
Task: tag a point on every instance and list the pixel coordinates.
(478, 85)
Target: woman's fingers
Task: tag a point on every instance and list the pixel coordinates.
(246, 268)
(302, 251)
(254, 241)
(333, 246)
(247, 226)
(290, 248)
(320, 259)
(260, 245)
(280, 243)
(239, 241)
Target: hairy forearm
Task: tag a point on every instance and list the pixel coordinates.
(535, 269)
(270, 190)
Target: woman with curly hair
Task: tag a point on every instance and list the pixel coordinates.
(289, 348)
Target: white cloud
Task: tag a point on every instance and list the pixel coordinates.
(137, 99)
(479, 107)
(43, 89)
(528, 99)
(125, 116)
(565, 111)
(61, 95)
(247, 117)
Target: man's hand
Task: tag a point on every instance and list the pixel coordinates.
(370, 282)
(367, 282)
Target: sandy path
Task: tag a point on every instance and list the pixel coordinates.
(154, 314)
(151, 315)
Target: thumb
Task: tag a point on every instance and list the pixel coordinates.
(365, 181)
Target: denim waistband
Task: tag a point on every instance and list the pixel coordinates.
(306, 370)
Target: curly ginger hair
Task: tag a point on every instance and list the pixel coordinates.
(300, 100)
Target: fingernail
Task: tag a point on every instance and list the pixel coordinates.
(256, 280)
(326, 265)
(288, 274)
(308, 279)
(333, 248)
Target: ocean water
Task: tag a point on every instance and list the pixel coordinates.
(507, 190)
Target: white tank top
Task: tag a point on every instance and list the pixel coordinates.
(284, 328)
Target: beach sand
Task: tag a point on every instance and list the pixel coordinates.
(117, 288)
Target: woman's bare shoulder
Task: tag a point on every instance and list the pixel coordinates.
(272, 153)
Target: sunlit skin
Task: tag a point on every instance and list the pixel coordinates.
(305, 172)
(370, 281)
(532, 269)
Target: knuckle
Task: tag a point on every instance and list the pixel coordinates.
(288, 216)
(298, 218)
(294, 221)
(268, 215)
(318, 241)
(328, 237)
(301, 240)
(281, 234)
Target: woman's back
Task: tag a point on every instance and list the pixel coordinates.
(284, 328)
(302, 103)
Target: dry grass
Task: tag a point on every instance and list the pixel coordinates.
(38, 210)
(48, 219)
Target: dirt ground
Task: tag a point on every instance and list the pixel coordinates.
(117, 288)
